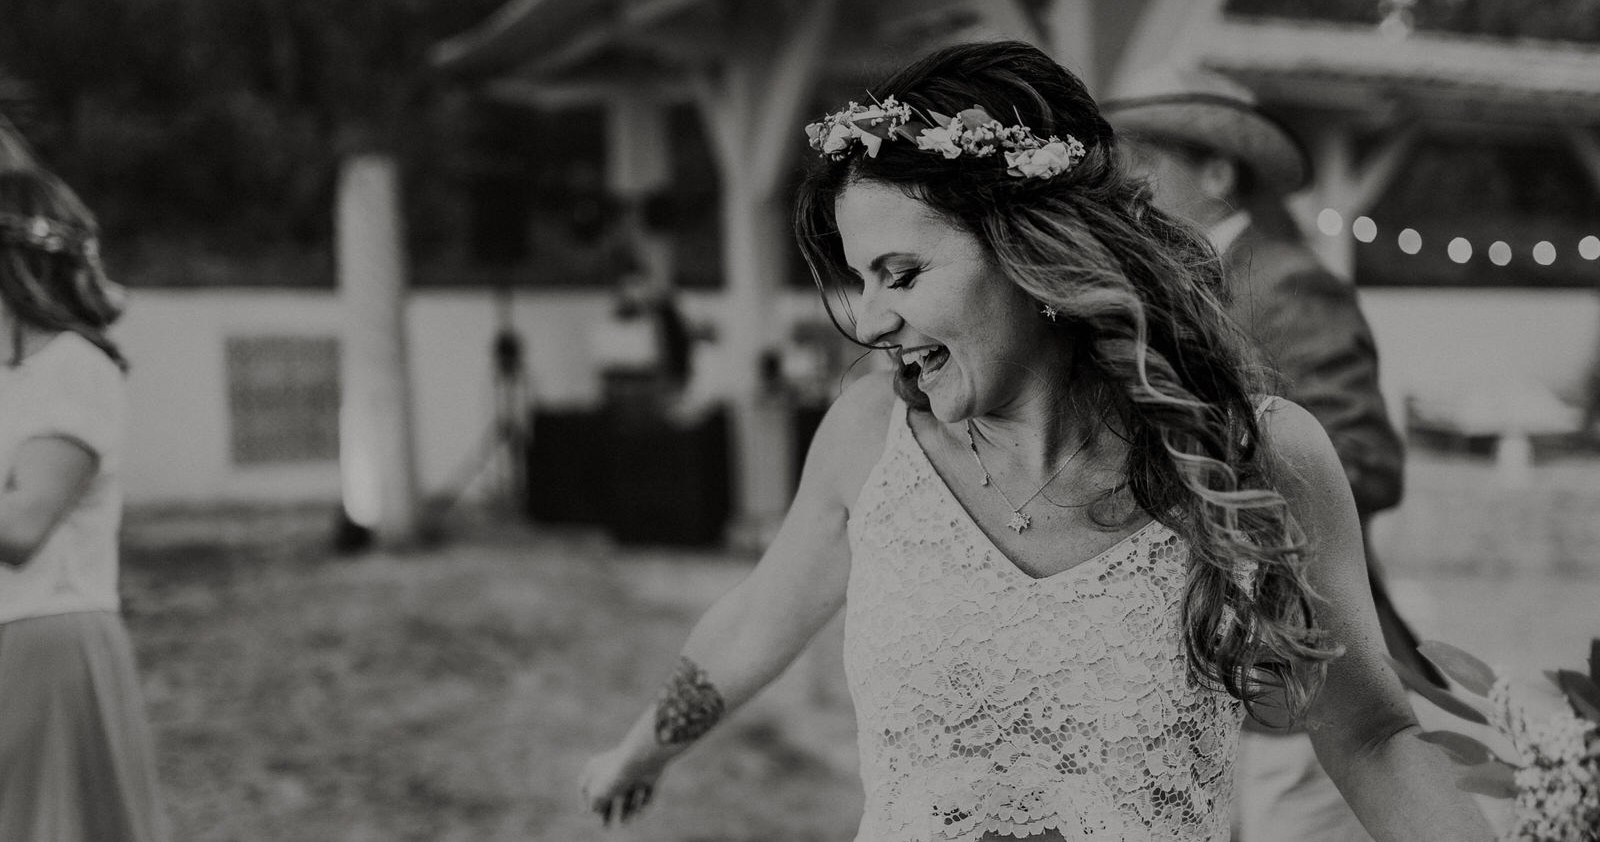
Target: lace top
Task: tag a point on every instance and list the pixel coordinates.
(991, 702)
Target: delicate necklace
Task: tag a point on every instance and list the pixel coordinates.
(1018, 521)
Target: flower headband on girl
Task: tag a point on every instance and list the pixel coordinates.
(971, 132)
(48, 235)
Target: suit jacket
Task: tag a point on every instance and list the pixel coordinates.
(1308, 328)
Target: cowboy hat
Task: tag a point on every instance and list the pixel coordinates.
(1212, 112)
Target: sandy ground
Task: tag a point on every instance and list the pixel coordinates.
(453, 692)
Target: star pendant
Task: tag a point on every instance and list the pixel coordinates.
(1018, 522)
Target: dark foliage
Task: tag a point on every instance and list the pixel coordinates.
(223, 121)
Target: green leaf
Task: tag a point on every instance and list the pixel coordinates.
(1461, 748)
(1496, 779)
(1444, 699)
(1581, 693)
(1465, 669)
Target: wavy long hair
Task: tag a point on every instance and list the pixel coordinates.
(1139, 296)
(62, 289)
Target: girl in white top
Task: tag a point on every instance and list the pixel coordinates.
(75, 751)
(1073, 546)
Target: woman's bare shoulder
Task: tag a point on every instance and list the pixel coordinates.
(851, 437)
(1300, 448)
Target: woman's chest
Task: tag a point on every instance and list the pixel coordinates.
(927, 598)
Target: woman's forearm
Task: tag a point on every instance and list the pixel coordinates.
(1401, 789)
(737, 648)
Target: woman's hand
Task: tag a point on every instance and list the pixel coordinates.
(618, 786)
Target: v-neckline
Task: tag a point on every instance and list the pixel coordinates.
(992, 550)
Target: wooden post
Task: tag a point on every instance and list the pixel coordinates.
(636, 167)
(1349, 187)
(752, 111)
(376, 457)
(1332, 160)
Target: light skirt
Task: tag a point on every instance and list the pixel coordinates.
(76, 757)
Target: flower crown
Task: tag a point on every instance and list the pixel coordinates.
(48, 235)
(971, 132)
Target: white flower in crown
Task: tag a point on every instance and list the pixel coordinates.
(941, 139)
(1053, 158)
(839, 137)
(971, 132)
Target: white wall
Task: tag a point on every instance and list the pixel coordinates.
(1482, 345)
(179, 437)
(179, 449)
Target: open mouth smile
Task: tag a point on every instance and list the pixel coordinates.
(927, 359)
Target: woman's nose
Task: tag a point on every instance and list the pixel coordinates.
(875, 320)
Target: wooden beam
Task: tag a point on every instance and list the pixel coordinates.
(789, 82)
(14, 150)
(1070, 38)
(574, 50)
(1333, 159)
(518, 28)
(1009, 19)
(1372, 178)
(578, 92)
(1169, 32)
(715, 117)
(1587, 148)
(652, 12)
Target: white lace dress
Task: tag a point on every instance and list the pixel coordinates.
(993, 703)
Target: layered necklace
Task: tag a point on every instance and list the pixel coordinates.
(1018, 521)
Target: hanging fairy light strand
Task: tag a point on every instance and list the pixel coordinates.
(1459, 249)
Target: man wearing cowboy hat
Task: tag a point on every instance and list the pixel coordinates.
(1216, 159)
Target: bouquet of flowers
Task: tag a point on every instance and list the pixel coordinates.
(1554, 768)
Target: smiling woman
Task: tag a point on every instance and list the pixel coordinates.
(1074, 544)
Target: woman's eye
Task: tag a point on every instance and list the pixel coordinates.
(905, 278)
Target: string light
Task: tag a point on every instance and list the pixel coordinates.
(1460, 249)
(1589, 247)
(1330, 222)
(1364, 229)
(1411, 242)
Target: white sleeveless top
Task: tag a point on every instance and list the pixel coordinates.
(989, 701)
(68, 389)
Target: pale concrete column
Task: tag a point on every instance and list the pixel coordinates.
(376, 457)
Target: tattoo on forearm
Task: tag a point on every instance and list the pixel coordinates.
(689, 705)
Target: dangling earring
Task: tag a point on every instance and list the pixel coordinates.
(1049, 312)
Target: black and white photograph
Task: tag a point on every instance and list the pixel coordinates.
(800, 420)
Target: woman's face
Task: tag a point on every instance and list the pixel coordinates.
(931, 289)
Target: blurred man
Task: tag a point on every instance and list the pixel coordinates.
(1215, 159)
